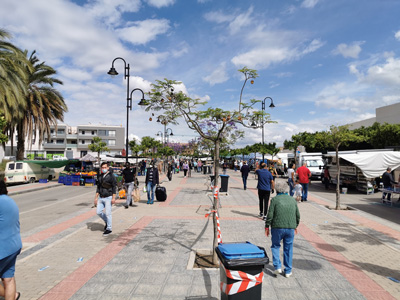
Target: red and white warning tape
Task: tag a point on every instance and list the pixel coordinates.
(218, 226)
(246, 281)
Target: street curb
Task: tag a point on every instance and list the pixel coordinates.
(34, 189)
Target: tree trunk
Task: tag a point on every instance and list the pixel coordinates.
(338, 179)
(20, 141)
(216, 201)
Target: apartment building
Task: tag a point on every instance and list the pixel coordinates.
(72, 142)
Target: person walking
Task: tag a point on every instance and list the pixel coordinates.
(284, 218)
(224, 167)
(128, 179)
(169, 171)
(185, 168)
(105, 196)
(388, 181)
(10, 244)
(152, 180)
(265, 186)
(298, 191)
(327, 178)
(304, 178)
(291, 179)
(245, 170)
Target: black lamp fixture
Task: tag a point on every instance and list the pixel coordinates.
(113, 72)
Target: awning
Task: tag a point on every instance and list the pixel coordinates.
(88, 157)
(373, 164)
(52, 163)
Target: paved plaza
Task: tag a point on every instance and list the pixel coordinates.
(350, 254)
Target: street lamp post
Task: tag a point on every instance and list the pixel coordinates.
(262, 122)
(113, 72)
(160, 134)
(168, 134)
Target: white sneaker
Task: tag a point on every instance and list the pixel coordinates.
(277, 272)
(287, 275)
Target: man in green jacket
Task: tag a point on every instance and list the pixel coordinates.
(283, 217)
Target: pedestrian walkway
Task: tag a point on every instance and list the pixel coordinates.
(337, 254)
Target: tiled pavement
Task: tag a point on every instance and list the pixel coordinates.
(337, 255)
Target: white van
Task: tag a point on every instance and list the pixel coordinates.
(314, 162)
(23, 172)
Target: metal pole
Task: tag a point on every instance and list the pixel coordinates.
(127, 112)
(263, 110)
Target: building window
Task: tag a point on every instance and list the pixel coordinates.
(93, 132)
(83, 142)
(102, 133)
(111, 143)
(111, 133)
(83, 132)
(60, 131)
(60, 142)
(52, 131)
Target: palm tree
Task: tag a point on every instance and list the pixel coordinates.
(44, 104)
(13, 78)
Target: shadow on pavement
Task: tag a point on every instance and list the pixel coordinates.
(352, 235)
(245, 214)
(379, 270)
(93, 226)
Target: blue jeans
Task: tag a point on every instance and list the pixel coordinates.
(287, 235)
(291, 187)
(129, 188)
(305, 191)
(107, 217)
(151, 189)
(244, 181)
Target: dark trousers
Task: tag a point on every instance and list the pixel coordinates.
(263, 197)
(244, 177)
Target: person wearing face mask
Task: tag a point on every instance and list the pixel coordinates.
(105, 196)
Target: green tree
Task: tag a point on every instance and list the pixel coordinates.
(3, 137)
(336, 137)
(272, 149)
(135, 147)
(149, 143)
(98, 146)
(44, 104)
(13, 78)
(212, 124)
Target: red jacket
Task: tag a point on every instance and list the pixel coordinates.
(304, 174)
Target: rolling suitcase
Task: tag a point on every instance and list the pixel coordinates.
(161, 193)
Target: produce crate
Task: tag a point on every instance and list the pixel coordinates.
(42, 180)
(89, 184)
(61, 179)
(89, 180)
(75, 183)
(76, 178)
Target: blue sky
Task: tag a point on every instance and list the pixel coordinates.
(323, 62)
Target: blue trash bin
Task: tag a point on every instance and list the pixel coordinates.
(241, 270)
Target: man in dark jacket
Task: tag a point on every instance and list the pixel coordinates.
(152, 180)
(245, 170)
(105, 196)
(265, 187)
(283, 217)
(129, 176)
(388, 181)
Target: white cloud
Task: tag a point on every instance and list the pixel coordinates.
(262, 57)
(75, 74)
(218, 17)
(397, 35)
(160, 3)
(142, 32)
(110, 11)
(241, 21)
(312, 112)
(386, 74)
(309, 3)
(289, 10)
(346, 51)
(219, 75)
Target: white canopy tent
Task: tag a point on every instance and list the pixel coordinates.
(373, 164)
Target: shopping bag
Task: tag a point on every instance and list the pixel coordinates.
(122, 194)
(136, 195)
(144, 189)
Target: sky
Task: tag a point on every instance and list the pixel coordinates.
(322, 62)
